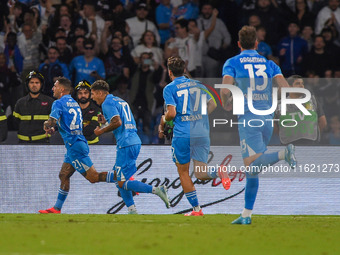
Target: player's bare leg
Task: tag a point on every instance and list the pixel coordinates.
(93, 176)
(189, 189)
(186, 182)
(67, 170)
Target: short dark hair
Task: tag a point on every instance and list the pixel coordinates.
(247, 37)
(100, 85)
(183, 23)
(88, 41)
(293, 78)
(66, 83)
(176, 65)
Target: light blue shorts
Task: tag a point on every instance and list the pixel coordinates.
(254, 140)
(125, 165)
(185, 149)
(78, 156)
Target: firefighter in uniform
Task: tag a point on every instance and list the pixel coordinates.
(32, 110)
(3, 126)
(89, 111)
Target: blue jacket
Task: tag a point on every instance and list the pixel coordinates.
(18, 58)
(295, 47)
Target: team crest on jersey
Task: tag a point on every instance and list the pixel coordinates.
(44, 103)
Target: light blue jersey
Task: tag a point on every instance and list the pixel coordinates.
(187, 96)
(251, 70)
(69, 118)
(126, 134)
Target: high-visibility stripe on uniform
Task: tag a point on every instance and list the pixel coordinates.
(3, 117)
(22, 117)
(32, 138)
(96, 140)
(40, 117)
(95, 118)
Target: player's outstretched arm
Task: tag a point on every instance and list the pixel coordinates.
(114, 123)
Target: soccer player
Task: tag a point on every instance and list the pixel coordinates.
(251, 70)
(183, 99)
(120, 120)
(67, 113)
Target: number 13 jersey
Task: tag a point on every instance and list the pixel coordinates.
(251, 70)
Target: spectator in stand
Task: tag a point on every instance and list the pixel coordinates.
(307, 34)
(94, 22)
(333, 136)
(15, 16)
(330, 12)
(218, 39)
(200, 37)
(302, 15)
(64, 50)
(318, 60)
(139, 24)
(330, 47)
(292, 50)
(187, 10)
(117, 62)
(66, 24)
(163, 20)
(120, 14)
(78, 46)
(182, 45)
(148, 44)
(88, 66)
(51, 69)
(13, 54)
(143, 83)
(122, 89)
(44, 8)
(263, 48)
(254, 21)
(29, 42)
(272, 19)
(10, 84)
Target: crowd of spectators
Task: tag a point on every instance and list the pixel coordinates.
(127, 42)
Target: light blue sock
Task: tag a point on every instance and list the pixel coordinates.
(62, 194)
(266, 159)
(110, 176)
(252, 185)
(126, 195)
(192, 198)
(212, 172)
(137, 186)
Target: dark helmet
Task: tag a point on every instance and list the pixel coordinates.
(84, 84)
(35, 74)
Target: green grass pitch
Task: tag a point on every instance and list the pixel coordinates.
(167, 234)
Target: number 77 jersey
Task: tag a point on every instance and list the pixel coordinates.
(126, 134)
(69, 118)
(190, 98)
(251, 70)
